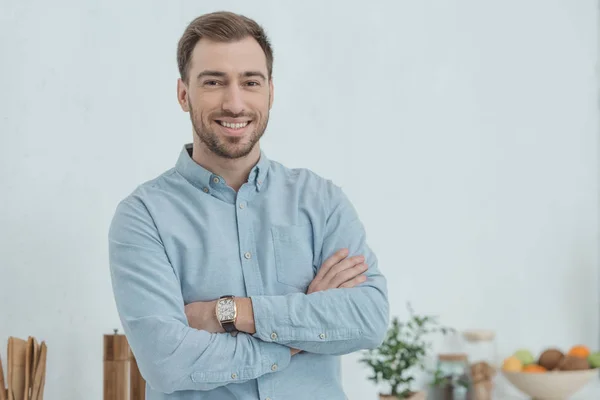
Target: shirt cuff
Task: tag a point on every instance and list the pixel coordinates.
(274, 321)
(268, 329)
(275, 357)
(287, 320)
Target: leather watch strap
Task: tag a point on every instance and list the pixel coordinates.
(229, 326)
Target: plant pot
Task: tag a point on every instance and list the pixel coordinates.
(415, 396)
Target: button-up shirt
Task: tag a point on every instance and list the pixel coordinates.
(187, 236)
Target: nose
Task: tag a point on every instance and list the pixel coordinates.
(233, 100)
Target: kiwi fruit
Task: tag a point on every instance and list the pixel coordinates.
(571, 363)
(551, 358)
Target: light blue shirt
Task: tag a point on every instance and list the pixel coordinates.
(187, 236)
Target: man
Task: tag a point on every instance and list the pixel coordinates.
(234, 276)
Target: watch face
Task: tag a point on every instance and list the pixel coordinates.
(226, 310)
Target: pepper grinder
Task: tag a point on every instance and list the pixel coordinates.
(116, 367)
(137, 384)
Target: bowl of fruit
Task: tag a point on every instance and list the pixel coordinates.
(554, 374)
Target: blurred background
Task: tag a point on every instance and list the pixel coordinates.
(465, 133)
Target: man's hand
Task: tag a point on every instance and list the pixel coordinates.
(339, 272)
(201, 315)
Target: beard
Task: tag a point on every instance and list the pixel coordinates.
(223, 146)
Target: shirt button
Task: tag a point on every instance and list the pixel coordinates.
(205, 190)
(274, 367)
(322, 336)
(273, 336)
(216, 180)
(242, 205)
(247, 255)
(234, 376)
(268, 398)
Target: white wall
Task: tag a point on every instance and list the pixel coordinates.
(465, 132)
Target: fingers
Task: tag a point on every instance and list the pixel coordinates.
(348, 274)
(343, 265)
(339, 270)
(331, 261)
(354, 282)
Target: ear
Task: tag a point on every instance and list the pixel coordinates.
(182, 95)
(271, 93)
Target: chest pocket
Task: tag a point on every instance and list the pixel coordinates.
(293, 251)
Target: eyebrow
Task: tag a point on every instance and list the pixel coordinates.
(246, 74)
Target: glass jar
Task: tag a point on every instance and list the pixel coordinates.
(483, 361)
(453, 380)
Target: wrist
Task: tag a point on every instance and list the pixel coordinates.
(212, 319)
(245, 315)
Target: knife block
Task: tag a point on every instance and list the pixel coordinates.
(122, 378)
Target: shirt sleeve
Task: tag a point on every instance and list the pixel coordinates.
(171, 355)
(335, 321)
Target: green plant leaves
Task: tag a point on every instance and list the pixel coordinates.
(403, 350)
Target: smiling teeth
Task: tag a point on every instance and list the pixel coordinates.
(234, 126)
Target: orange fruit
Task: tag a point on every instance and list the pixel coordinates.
(512, 364)
(534, 368)
(580, 351)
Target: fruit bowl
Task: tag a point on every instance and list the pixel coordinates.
(552, 384)
(554, 374)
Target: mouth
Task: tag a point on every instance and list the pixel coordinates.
(234, 128)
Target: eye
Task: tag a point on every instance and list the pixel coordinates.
(211, 83)
(253, 83)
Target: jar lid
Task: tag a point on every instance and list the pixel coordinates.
(479, 335)
(452, 357)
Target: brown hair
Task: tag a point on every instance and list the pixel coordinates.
(221, 26)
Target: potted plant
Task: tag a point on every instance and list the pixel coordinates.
(402, 352)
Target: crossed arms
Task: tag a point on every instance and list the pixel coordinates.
(179, 347)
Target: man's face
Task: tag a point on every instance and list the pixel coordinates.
(228, 95)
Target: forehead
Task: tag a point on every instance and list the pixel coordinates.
(234, 57)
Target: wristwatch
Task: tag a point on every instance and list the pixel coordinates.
(226, 311)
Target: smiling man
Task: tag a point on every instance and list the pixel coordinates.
(234, 276)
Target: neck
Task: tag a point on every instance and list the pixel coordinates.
(234, 171)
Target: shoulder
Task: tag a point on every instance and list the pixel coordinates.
(307, 180)
(144, 193)
(300, 176)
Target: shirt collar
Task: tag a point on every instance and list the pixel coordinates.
(201, 177)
